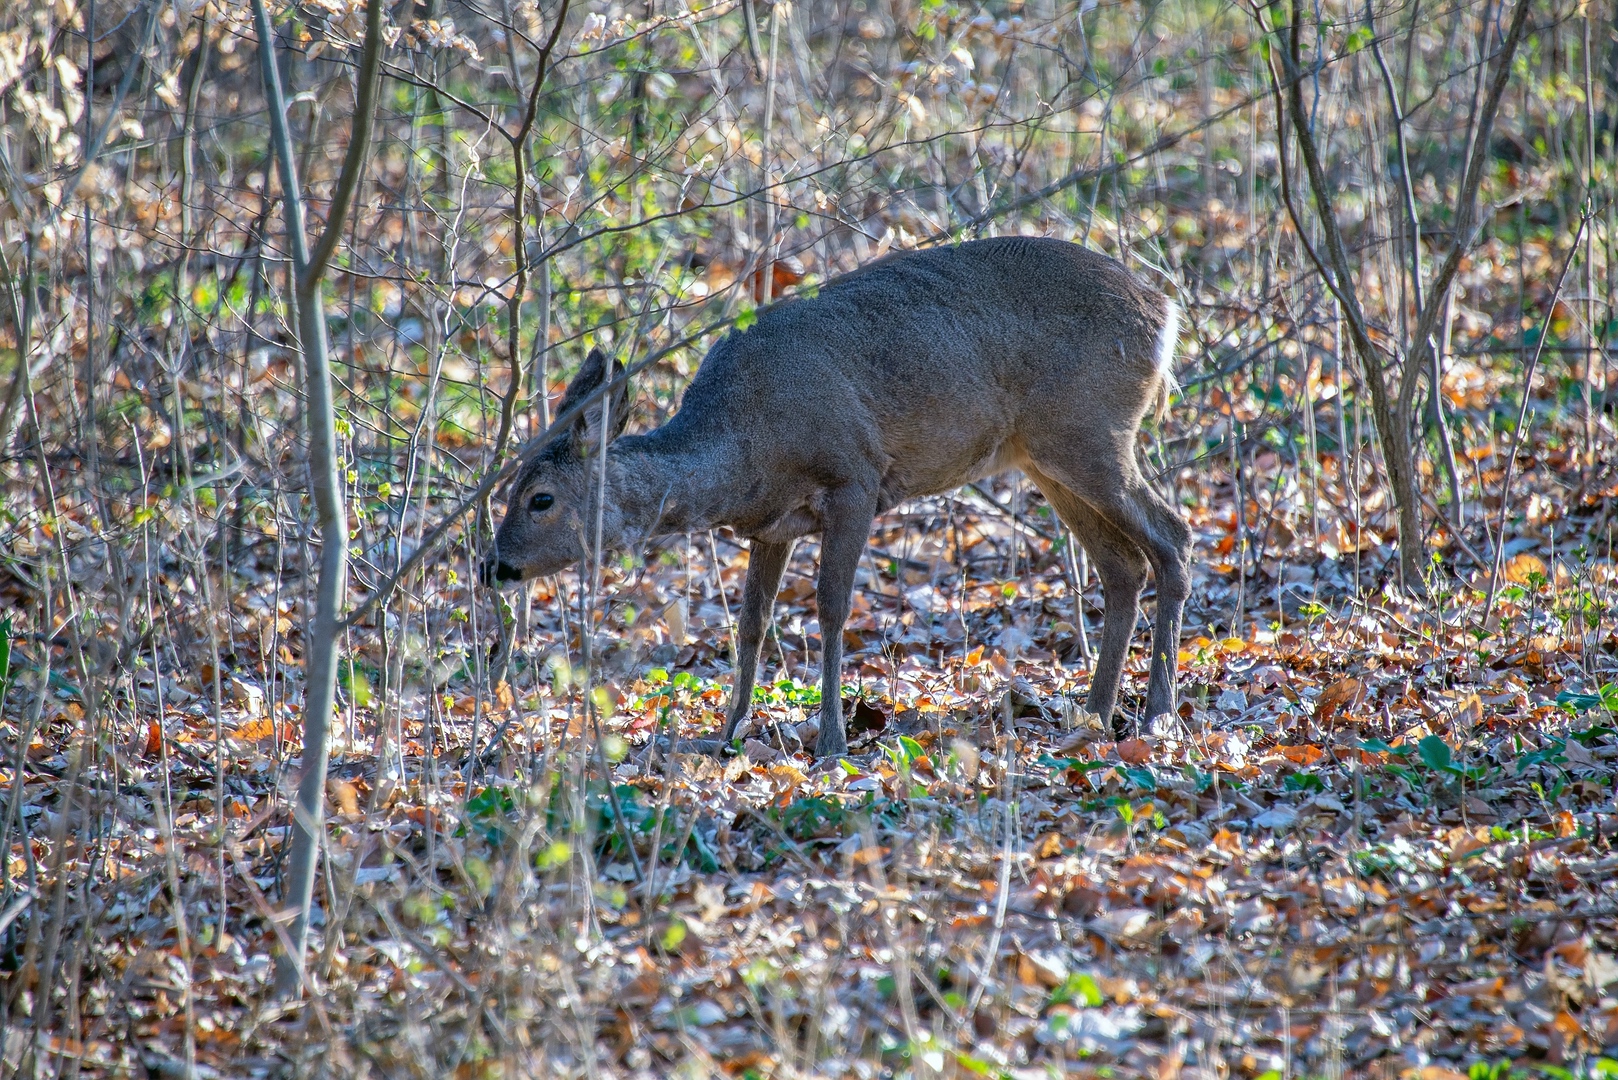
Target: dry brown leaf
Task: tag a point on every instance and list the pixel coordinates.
(1135, 751)
(1521, 568)
(1340, 694)
(345, 795)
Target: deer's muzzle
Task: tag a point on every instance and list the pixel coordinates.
(496, 571)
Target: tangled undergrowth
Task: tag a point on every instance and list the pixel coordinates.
(1377, 840)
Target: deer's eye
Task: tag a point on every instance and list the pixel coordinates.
(540, 503)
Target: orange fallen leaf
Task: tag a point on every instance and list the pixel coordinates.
(1340, 693)
(1565, 825)
(756, 897)
(345, 795)
(1302, 754)
(1135, 751)
(749, 1062)
(1479, 988)
(642, 990)
(1520, 568)
(1468, 712)
(1573, 952)
(255, 730)
(1509, 1034)
(788, 777)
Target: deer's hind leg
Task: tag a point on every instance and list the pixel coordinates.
(1122, 569)
(1112, 487)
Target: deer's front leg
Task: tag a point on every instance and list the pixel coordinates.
(846, 526)
(765, 564)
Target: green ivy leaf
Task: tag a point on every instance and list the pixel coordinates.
(1436, 754)
(1377, 746)
(1605, 698)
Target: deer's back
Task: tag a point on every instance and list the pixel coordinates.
(928, 366)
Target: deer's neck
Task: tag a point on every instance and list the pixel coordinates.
(665, 484)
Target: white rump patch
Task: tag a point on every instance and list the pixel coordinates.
(1167, 338)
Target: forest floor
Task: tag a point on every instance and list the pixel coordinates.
(1377, 837)
(1377, 840)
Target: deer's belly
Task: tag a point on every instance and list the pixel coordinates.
(800, 521)
(946, 476)
(897, 485)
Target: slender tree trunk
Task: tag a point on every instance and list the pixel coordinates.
(1392, 430)
(1412, 225)
(188, 165)
(325, 478)
(519, 289)
(1592, 354)
(1392, 415)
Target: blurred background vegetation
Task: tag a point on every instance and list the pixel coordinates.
(681, 159)
(686, 164)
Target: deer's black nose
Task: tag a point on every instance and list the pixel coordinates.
(494, 571)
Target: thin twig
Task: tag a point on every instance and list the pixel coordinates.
(519, 215)
(1465, 207)
(1522, 413)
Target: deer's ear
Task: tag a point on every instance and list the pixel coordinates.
(585, 381)
(586, 430)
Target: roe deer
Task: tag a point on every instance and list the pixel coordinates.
(910, 377)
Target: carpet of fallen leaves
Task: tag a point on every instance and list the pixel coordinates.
(1377, 839)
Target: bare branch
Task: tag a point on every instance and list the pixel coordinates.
(519, 215)
(1465, 210)
(359, 146)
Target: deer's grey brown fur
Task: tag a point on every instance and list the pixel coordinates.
(911, 377)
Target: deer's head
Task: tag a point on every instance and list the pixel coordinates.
(550, 517)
